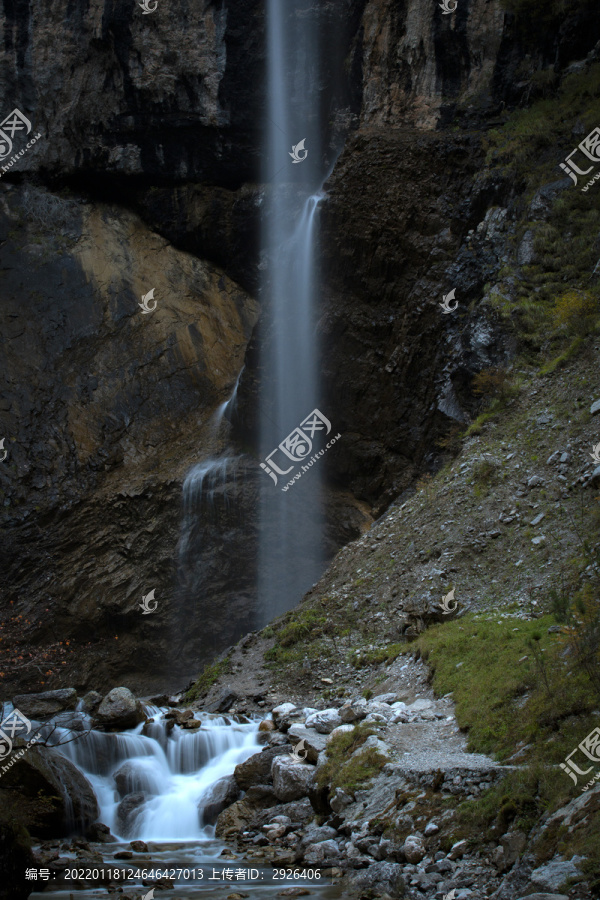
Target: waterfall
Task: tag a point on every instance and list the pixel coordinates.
(290, 544)
(150, 782)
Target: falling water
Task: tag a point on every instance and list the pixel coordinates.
(290, 552)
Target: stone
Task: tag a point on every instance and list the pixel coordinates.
(239, 815)
(291, 779)
(139, 846)
(535, 481)
(317, 854)
(281, 711)
(413, 848)
(385, 698)
(458, 849)
(131, 778)
(526, 252)
(324, 721)
(381, 878)
(353, 711)
(257, 768)
(372, 743)
(544, 897)
(314, 743)
(218, 797)
(91, 701)
(420, 704)
(512, 845)
(595, 407)
(128, 811)
(537, 541)
(224, 702)
(537, 519)
(552, 875)
(52, 797)
(341, 729)
(119, 710)
(340, 800)
(46, 703)
(267, 725)
(431, 828)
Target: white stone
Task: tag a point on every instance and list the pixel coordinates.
(324, 721)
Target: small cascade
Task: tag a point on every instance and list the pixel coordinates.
(150, 782)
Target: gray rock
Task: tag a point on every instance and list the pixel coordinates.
(316, 854)
(223, 704)
(91, 701)
(281, 711)
(218, 797)
(324, 721)
(535, 481)
(526, 252)
(291, 779)
(353, 711)
(314, 743)
(119, 709)
(381, 878)
(413, 848)
(418, 705)
(512, 845)
(553, 875)
(537, 519)
(127, 812)
(544, 897)
(257, 768)
(458, 849)
(132, 779)
(595, 407)
(340, 800)
(431, 828)
(385, 698)
(46, 703)
(372, 743)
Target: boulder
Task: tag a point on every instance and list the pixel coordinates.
(46, 793)
(257, 768)
(90, 702)
(46, 703)
(340, 800)
(239, 815)
(224, 703)
(324, 721)
(291, 779)
(323, 852)
(381, 878)
(314, 742)
(512, 845)
(300, 812)
(341, 729)
(139, 846)
(119, 710)
(128, 811)
(131, 778)
(281, 711)
(267, 725)
(218, 797)
(413, 848)
(372, 743)
(353, 711)
(551, 876)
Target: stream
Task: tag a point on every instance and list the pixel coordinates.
(150, 783)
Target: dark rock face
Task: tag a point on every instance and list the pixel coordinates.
(128, 810)
(220, 795)
(47, 794)
(15, 857)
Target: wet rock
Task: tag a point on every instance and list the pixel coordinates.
(119, 710)
(281, 711)
(267, 725)
(291, 779)
(314, 743)
(128, 810)
(324, 721)
(413, 848)
(257, 769)
(46, 703)
(131, 779)
(218, 797)
(47, 793)
(139, 846)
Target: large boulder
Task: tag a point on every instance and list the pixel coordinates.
(324, 721)
(46, 703)
(240, 815)
(353, 710)
(257, 769)
(119, 709)
(128, 811)
(280, 712)
(131, 778)
(218, 797)
(553, 875)
(321, 853)
(381, 878)
(46, 793)
(314, 743)
(291, 779)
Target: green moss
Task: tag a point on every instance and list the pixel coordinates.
(346, 773)
(210, 674)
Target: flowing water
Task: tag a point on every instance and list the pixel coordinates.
(172, 770)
